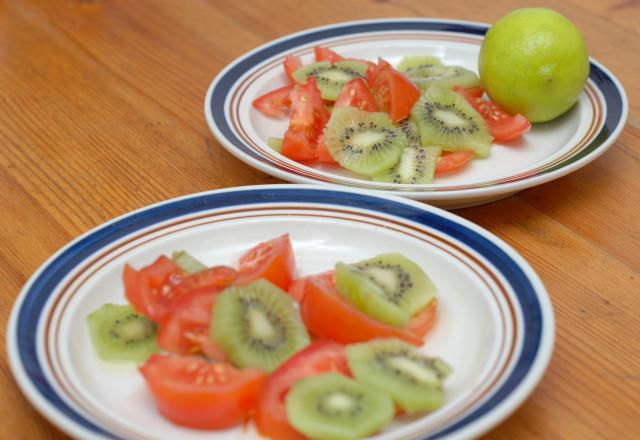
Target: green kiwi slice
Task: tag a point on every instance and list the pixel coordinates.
(120, 334)
(187, 262)
(410, 130)
(416, 165)
(414, 381)
(331, 77)
(257, 325)
(388, 287)
(412, 66)
(446, 119)
(333, 407)
(443, 76)
(364, 142)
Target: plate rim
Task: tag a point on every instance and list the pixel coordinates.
(486, 193)
(504, 408)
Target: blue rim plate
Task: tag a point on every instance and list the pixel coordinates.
(57, 371)
(549, 151)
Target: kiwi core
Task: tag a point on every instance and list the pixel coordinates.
(413, 369)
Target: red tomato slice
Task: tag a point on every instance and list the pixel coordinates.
(322, 152)
(185, 330)
(291, 64)
(319, 357)
(151, 290)
(329, 316)
(276, 103)
(326, 54)
(453, 161)
(394, 92)
(192, 392)
(296, 289)
(502, 126)
(308, 118)
(356, 93)
(423, 321)
(476, 92)
(272, 260)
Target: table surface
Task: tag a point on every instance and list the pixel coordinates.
(102, 114)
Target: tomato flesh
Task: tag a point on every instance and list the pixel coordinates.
(423, 321)
(291, 64)
(272, 260)
(501, 125)
(192, 392)
(453, 161)
(327, 315)
(356, 93)
(322, 152)
(394, 92)
(276, 103)
(308, 118)
(326, 54)
(319, 357)
(296, 289)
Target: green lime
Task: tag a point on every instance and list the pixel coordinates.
(534, 61)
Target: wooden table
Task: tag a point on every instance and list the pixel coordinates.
(101, 113)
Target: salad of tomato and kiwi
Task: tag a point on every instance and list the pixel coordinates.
(403, 124)
(326, 356)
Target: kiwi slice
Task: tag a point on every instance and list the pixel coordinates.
(364, 142)
(412, 66)
(388, 287)
(331, 77)
(443, 76)
(446, 119)
(275, 143)
(414, 381)
(257, 325)
(333, 407)
(416, 165)
(120, 334)
(410, 130)
(187, 262)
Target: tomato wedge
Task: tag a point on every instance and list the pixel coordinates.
(319, 357)
(501, 125)
(423, 321)
(296, 289)
(326, 54)
(322, 152)
(185, 330)
(151, 290)
(272, 260)
(308, 118)
(192, 392)
(276, 103)
(394, 92)
(453, 161)
(291, 64)
(329, 316)
(356, 93)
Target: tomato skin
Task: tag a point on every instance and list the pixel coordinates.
(476, 92)
(452, 161)
(327, 315)
(424, 320)
(356, 93)
(192, 392)
(308, 118)
(394, 92)
(326, 54)
(322, 152)
(319, 357)
(185, 330)
(272, 260)
(501, 125)
(276, 103)
(291, 64)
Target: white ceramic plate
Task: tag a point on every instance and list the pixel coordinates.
(495, 324)
(549, 151)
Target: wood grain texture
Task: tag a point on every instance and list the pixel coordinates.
(102, 113)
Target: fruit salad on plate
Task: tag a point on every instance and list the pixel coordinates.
(326, 356)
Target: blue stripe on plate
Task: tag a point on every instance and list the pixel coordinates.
(611, 93)
(54, 273)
